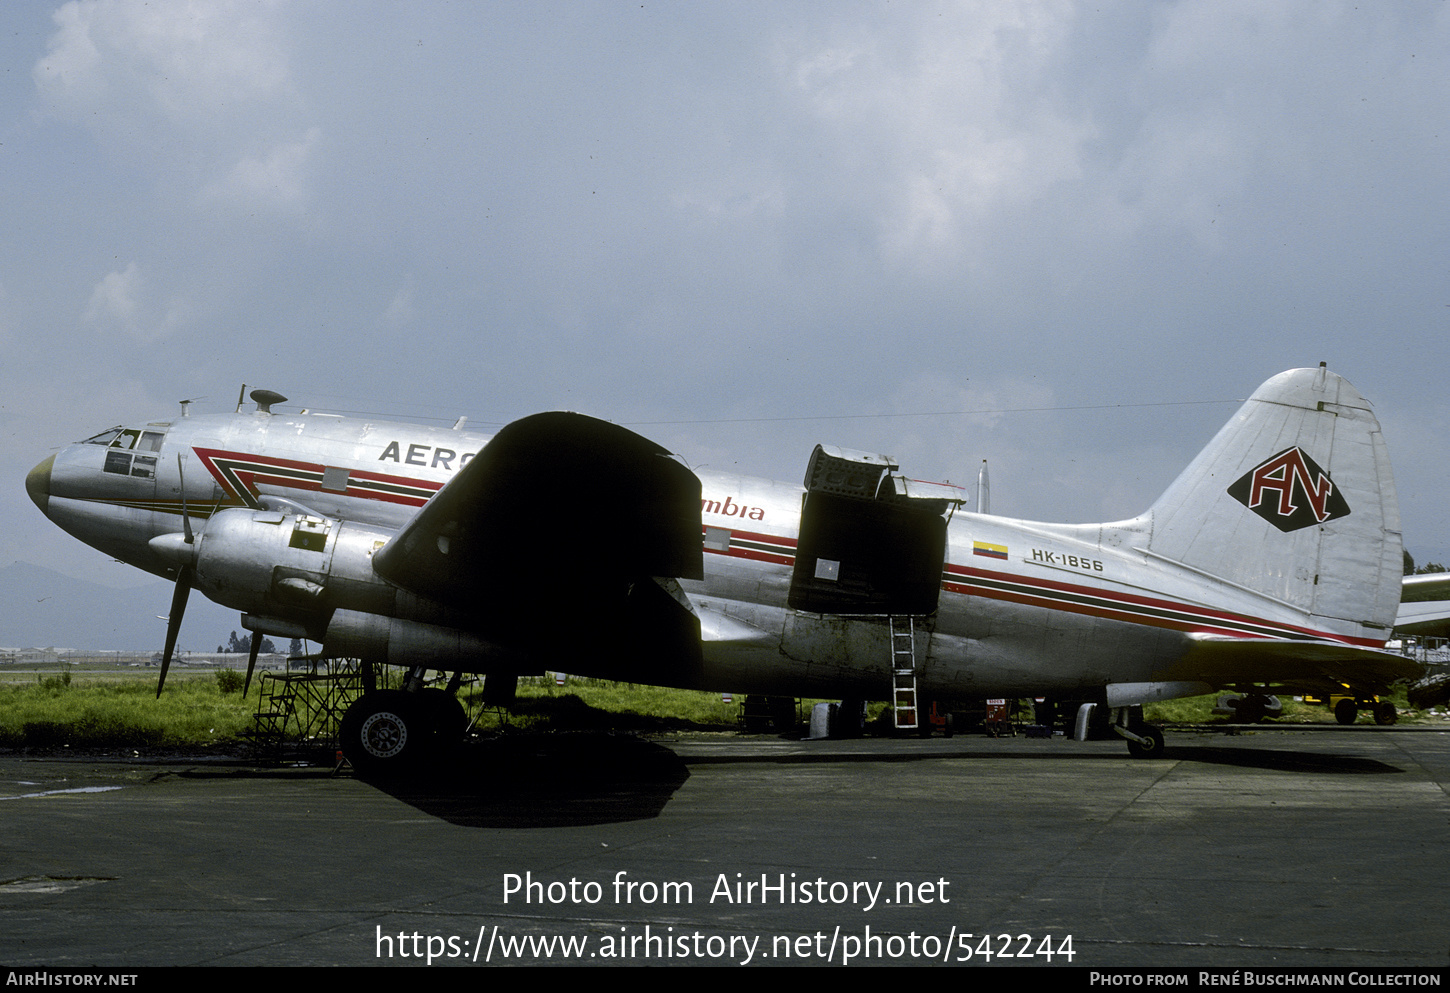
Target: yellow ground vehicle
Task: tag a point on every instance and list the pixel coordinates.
(1346, 707)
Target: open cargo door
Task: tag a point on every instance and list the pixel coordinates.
(871, 541)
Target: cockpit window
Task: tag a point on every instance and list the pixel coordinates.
(121, 442)
(104, 438)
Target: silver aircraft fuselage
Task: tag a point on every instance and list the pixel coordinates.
(1022, 608)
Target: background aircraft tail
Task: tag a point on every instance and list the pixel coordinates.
(1293, 499)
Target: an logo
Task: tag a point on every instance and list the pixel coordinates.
(1290, 491)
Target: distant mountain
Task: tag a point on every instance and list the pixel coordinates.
(40, 608)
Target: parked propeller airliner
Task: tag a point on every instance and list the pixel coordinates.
(1272, 564)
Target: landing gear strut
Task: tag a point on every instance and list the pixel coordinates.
(1144, 740)
(1148, 745)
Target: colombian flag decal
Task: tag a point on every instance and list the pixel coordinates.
(989, 550)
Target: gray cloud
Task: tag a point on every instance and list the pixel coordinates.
(714, 222)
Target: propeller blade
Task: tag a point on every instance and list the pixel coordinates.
(173, 622)
(252, 661)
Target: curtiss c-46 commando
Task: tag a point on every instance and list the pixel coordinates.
(1272, 564)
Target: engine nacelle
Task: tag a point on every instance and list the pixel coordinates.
(298, 568)
(396, 641)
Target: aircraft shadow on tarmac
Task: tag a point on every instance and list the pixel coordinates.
(551, 780)
(562, 780)
(1285, 760)
(578, 779)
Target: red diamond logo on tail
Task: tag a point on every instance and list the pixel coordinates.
(1290, 491)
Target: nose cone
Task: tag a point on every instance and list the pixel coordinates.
(37, 484)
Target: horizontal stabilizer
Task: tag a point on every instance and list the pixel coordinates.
(1292, 666)
(1430, 617)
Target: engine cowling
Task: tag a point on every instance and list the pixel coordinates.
(291, 571)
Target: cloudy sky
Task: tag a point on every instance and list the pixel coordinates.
(1062, 237)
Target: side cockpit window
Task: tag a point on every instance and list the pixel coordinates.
(127, 464)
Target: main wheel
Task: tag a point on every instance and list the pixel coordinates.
(1153, 749)
(384, 731)
(1385, 713)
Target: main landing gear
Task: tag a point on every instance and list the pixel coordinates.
(390, 730)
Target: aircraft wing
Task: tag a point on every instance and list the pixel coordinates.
(554, 502)
(548, 495)
(1293, 666)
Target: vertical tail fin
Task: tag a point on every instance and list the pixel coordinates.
(1294, 499)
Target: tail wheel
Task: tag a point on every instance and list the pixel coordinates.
(1152, 749)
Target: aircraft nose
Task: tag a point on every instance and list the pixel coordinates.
(37, 484)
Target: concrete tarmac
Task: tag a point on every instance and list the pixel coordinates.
(1271, 848)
